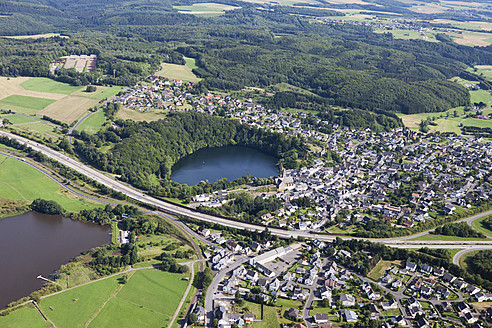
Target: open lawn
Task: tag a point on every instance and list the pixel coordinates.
(445, 238)
(44, 84)
(19, 181)
(270, 318)
(69, 108)
(93, 123)
(32, 104)
(478, 225)
(126, 113)
(190, 62)
(38, 127)
(177, 72)
(26, 317)
(480, 306)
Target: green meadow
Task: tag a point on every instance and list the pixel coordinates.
(19, 181)
(32, 104)
(44, 84)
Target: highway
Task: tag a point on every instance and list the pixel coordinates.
(109, 181)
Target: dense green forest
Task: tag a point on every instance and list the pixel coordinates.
(143, 153)
(349, 66)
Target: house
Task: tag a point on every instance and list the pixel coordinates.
(373, 309)
(233, 246)
(249, 317)
(274, 285)
(321, 318)
(426, 291)
(439, 272)
(325, 292)
(347, 300)
(262, 282)
(472, 290)
(200, 313)
(426, 269)
(443, 291)
(461, 306)
(400, 320)
(449, 209)
(481, 297)
(350, 316)
(448, 277)
(390, 305)
(446, 307)
(411, 267)
(299, 294)
(292, 313)
(252, 275)
(422, 323)
(460, 284)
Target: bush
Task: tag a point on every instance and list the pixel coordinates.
(46, 206)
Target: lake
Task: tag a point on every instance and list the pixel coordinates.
(35, 244)
(231, 162)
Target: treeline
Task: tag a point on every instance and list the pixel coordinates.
(143, 153)
(460, 229)
(477, 131)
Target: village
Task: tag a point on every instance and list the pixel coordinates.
(314, 283)
(372, 178)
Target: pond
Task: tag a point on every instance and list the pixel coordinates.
(231, 162)
(35, 244)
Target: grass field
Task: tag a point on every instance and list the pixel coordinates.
(378, 271)
(93, 123)
(177, 72)
(480, 306)
(44, 84)
(485, 70)
(478, 122)
(148, 299)
(205, 8)
(69, 108)
(19, 181)
(32, 103)
(75, 307)
(481, 96)
(17, 118)
(445, 238)
(100, 93)
(478, 225)
(38, 127)
(26, 317)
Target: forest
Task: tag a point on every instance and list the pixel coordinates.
(348, 66)
(143, 153)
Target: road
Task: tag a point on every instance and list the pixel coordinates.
(456, 257)
(212, 289)
(170, 208)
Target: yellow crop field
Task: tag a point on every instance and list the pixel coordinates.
(69, 109)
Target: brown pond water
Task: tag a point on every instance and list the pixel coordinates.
(35, 244)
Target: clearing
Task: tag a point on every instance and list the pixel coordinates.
(380, 268)
(126, 113)
(177, 72)
(205, 8)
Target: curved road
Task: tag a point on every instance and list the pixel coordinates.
(135, 194)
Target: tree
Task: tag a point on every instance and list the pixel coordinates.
(90, 88)
(192, 318)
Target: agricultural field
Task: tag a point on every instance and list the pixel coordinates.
(35, 36)
(93, 123)
(69, 109)
(485, 70)
(205, 8)
(478, 123)
(28, 105)
(481, 96)
(148, 298)
(21, 182)
(43, 84)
